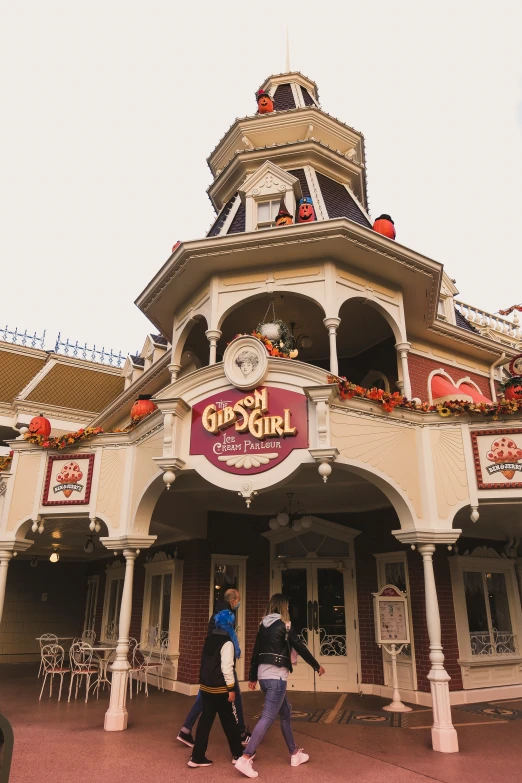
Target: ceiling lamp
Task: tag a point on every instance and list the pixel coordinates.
(54, 557)
(295, 520)
(88, 547)
(302, 340)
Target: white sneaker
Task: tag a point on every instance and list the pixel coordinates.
(245, 766)
(299, 758)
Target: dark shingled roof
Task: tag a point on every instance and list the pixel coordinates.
(139, 360)
(284, 98)
(300, 175)
(238, 224)
(158, 339)
(339, 202)
(307, 98)
(218, 225)
(463, 322)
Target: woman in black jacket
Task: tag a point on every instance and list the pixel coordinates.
(271, 664)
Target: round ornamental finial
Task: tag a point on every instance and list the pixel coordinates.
(384, 225)
(265, 104)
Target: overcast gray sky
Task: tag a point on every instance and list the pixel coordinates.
(100, 175)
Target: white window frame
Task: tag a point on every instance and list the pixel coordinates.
(375, 375)
(114, 572)
(161, 568)
(240, 561)
(93, 584)
(458, 565)
(274, 199)
(398, 557)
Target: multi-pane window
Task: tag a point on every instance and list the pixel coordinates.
(266, 213)
(159, 609)
(489, 617)
(111, 615)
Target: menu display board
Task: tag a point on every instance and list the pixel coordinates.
(391, 616)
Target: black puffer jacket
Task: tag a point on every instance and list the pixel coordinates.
(273, 645)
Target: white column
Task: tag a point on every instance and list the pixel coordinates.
(332, 324)
(174, 371)
(5, 557)
(116, 716)
(213, 336)
(443, 734)
(403, 349)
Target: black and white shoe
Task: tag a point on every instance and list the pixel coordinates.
(186, 738)
(203, 763)
(245, 737)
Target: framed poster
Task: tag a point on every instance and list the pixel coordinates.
(68, 480)
(391, 616)
(498, 458)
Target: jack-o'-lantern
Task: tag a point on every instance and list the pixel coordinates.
(39, 425)
(513, 391)
(283, 217)
(265, 104)
(142, 407)
(384, 225)
(306, 212)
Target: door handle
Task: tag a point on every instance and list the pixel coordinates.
(310, 616)
(316, 615)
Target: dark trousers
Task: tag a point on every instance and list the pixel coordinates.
(216, 703)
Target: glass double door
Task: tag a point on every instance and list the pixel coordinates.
(322, 614)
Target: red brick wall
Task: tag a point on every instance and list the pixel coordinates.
(420, 368)
(194, 608)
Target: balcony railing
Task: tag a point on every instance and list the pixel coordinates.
(494, 643)
(489, 324)
(22, 338)
(100, 356)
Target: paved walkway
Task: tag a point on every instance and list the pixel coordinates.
(347, 739)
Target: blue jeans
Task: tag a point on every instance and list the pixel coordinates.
(197, 708)
(276, 703)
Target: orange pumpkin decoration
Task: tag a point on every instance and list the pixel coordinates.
(265, 104)
(306, 212)
(384, 225)
(283, 217)
(143, 407)
(39, 425)
(514, 392)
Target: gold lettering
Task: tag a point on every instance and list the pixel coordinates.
(248, 402)
(209, 419)
(229, 417)
(278, 426)
(261, 400)
(255, 424)
(241, 426)
(288, 430)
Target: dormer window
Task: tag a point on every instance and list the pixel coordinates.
(266, 213)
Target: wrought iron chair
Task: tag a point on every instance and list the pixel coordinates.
(149, 663)
(52, 662)
(135, 659)
(89, 637)
(45, 638)
(82, 666)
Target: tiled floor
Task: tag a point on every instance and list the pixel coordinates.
(61, 742)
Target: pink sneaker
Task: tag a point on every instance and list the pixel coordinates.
(299, 758)
(245, 766)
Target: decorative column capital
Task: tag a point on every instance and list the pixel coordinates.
(174, 371)
(404, 346)
(213, 335)
(129, 543)
(422, 536)
(332, 323)
(13, 547)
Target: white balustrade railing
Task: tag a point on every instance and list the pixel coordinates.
(509, 331)
(494, 643)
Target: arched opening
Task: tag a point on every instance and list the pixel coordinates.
(303, 316)
(192, 350)
(366, 346)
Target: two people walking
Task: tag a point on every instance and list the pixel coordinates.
(276, 644)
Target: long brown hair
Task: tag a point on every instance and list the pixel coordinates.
(278, 604)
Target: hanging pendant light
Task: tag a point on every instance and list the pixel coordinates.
(55, 556)
(295, 520)
(88, 547)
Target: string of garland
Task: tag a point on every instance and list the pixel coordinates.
(281, 350)
(5, 462)
(70, 438)
(391, 400)
(285, 343)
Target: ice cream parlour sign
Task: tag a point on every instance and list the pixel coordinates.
(249, 433)
(498, 458)
(68, 480)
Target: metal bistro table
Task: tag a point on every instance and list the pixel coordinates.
(105, 650)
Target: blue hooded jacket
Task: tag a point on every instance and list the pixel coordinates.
(224, 621)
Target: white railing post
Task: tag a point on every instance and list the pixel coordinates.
(443, 734)
(213, 336)
(332, 324)
(403, 350)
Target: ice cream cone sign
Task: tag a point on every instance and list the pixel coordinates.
(69, 476)
(505, 453)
